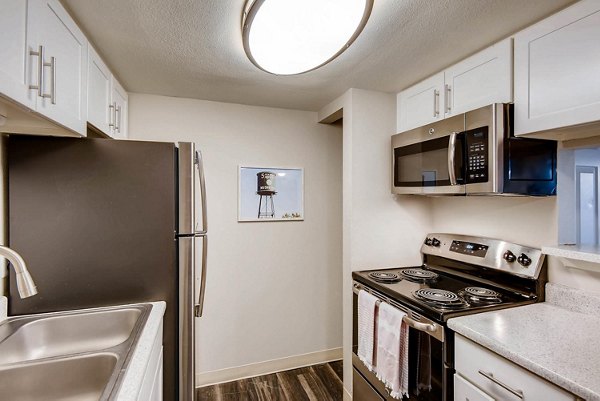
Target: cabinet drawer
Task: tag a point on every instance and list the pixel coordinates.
(494, 374)
(362, 390)
(465, 391)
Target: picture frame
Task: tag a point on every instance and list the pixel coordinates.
(267, 194)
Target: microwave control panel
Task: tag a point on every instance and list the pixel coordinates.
(477, 155)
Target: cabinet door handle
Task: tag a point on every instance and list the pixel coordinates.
(436, 103)
(111, 110)
(52, 66)
(447, 97)
(118, 119)
(40, 70)
(490, 376)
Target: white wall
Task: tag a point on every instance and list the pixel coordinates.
(380, 229)
(529, 221)
(274, 289)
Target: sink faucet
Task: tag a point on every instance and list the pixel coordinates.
(25, 283)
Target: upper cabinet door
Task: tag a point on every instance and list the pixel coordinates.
(120, 109)
(98, 90)
(557, 70)
(421, 104)
(480, 80)
(14, 53)
(64, 64)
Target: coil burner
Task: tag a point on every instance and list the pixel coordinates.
(385, 277)
(480, 295)
(439, 298)
(419, 274)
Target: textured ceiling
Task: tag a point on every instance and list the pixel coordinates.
(193, 48)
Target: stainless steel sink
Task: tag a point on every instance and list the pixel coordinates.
(75, 355)
(66, 334)
(81, 378)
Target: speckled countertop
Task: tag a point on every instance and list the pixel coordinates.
(134, 375)
(557, 339)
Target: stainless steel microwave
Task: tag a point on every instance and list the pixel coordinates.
(475, 153)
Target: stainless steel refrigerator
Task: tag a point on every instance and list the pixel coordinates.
(102, 222)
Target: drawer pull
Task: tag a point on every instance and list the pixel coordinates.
(491, 377)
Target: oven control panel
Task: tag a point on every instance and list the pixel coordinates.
(490, 253)
(469, 248)
(477, 155)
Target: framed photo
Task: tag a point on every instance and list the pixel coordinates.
(270, 194)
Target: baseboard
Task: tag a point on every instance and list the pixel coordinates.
(267, 367)
(347, 395)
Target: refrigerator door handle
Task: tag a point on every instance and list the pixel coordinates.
(200, 171)
(200, 305)
(187, 353)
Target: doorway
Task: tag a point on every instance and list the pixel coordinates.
(587, 205)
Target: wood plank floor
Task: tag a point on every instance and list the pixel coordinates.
(312, 383)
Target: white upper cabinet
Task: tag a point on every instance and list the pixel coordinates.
(480, 80)
(107, 100)
(477, 81)
(98, 92)
(421, 104)
(557, 70)
(119, 109)
(57, 63)
(47, 65)
(13, 52)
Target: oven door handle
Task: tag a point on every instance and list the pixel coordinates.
(451, 158)
(427, 327)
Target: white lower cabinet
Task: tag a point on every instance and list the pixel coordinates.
(156, 394)
(465, 391)
(484, 374)
(152, 383)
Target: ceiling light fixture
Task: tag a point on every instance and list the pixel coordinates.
(288, 37)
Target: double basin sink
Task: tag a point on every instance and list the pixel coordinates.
(68, 356)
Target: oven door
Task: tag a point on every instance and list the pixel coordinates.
(430, 160)
(430, 374)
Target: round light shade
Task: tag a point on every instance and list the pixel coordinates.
(287, 37)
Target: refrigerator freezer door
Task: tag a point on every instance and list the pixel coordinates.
(187, 249)
(187, 189)
(201, 226)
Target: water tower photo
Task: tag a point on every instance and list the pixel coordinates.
(271, 194)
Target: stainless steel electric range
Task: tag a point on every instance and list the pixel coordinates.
(460, 275)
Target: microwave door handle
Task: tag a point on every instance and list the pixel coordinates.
(200, 172)
(451, 158)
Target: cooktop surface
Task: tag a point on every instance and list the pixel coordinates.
(439, 295)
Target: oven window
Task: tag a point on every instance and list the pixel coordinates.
(425, 164)
(426, 367)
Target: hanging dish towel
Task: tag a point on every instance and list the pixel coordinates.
(392, 350)
(367, 304)
(423, 376)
